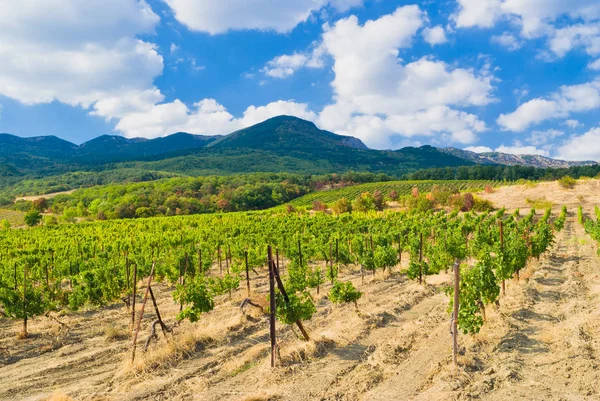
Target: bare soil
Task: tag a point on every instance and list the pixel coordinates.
(541, 343)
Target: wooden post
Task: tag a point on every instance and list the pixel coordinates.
(219, 258)
(163, 326)
(286, 298)
(400, 250)
(421, 258)
(272, 306)
(247, 273)
(455, 313)
(200, 268)
(137, 326)
(24, 334)
(134, 287)
(300, 252)
(331, 262)
(128, 281)
(502, 248)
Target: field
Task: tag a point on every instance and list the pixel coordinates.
(401, 187)
(541, 342)
(14, 217)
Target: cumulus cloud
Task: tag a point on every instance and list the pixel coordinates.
(380, 99)
(217, 17)
(286, 65)
(538, 19)
(572, 123)
(582, 147)
(539, 138)
(80, 61)
(516, 149)
(206, 117)
(594, 65)
(508, 41)
(435, 36)
(569, 99)
(479, 149)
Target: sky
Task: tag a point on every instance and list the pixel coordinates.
(517, 76)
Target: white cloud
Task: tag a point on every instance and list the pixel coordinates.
(435, 36)
(507, 40)
(516, 149)
(479, 149)
(582, 147)
(594, 65)
(173, 48)
(480, 13)
(217, 17)
(522, 150)
(569, 99)
(540, 138)
(91, 56)
(208, 117)
(566, 24)
(378, 98)
(572, 124)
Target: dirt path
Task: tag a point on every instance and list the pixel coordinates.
(549, 341)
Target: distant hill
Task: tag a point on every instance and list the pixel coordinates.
(279, 144)
(514, 160)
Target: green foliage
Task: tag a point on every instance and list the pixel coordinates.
(300, 307)
(341, 206)
(32, 218)
(364, 203)
(567, 182)
(342, 292)
(196, 298)
(225, 284)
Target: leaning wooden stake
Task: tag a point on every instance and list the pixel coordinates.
(137, 326)
(272, 306)
(421, 258)
(24, 334)
(163, 326)
(247, 273)
(286, 298)
(134, 287)
(502, 248)
(455, 313)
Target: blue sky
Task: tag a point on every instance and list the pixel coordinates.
(520, 76)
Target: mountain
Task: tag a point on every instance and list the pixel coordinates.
(113, 148)
(498, 158)
(290, 144)
(285, 134)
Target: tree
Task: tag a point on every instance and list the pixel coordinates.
(40, 204)
(33, 218)
(364, 203)
(341, 206)
(378, 200)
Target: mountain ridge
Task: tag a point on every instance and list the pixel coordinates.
(507, 159)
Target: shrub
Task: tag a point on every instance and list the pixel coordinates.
(32, 218)
(341, 206)
(5, 224)
(468, 202)
(489, 189)
(421, 203)
(50, 221)
(319, 206)
(393, 195)
(364, 203)
(567, 182)
(344, 292)
(289, 209)
(483, 205)
(378, 200)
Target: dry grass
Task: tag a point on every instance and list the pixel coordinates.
(166, 354)
(59, 396)
(113, 332)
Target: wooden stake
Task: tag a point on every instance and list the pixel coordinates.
(502, 248)
(455, 313)
(272, 306)
(24, 334)
(163, 326)
(421, 258)
(137, 327)
(286, 298)
(247, 273)
(134, 287)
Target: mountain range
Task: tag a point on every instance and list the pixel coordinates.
(280, 144)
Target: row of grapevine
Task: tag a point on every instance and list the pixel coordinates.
(69, 266)
(401, 187)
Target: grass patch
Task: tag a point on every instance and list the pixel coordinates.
(540, 204)
(246, 366)
(14, 217)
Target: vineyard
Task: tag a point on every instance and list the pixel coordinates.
(401, 187)
(13, 217)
